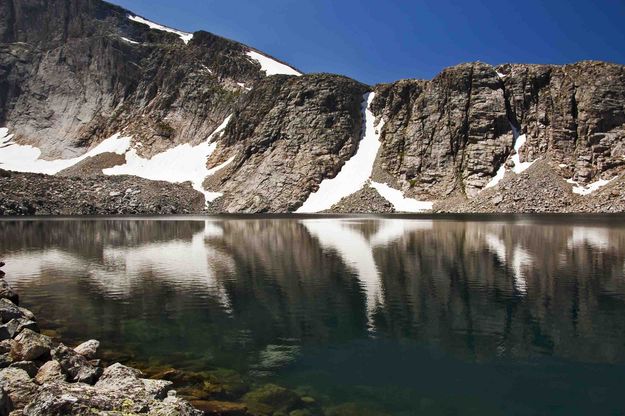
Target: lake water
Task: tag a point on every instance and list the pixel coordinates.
(449, 316)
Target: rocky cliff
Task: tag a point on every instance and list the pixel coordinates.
(90, 89)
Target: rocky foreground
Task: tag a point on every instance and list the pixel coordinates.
(41, 376)
(36, 194)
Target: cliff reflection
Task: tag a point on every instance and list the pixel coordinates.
(265, 288)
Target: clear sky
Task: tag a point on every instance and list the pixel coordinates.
(385, 40)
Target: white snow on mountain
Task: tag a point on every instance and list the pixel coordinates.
(25, 158)
(271, 66)
(590, 188)
(182, 163)
(399, 201)
(354, 173)
(519, 167)
(186, 37)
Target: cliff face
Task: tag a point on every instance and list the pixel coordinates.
(73, 72)
(450, 136)
(76, 72)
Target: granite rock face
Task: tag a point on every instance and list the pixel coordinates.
(448, 137)
(286, 136)
(73, 72)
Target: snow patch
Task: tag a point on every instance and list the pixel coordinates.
(186, 37)
(590, 188)
(271, 66)
(520, 167)
(354, 173)
(26, 158)
(399, 201)
(179, 164)
(501, 172)
(129, 41)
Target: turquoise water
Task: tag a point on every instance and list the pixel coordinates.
(411, 316)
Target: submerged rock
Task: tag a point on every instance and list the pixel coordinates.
(269, 399)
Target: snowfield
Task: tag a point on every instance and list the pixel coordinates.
(271, 66)
(25, 158)
(186, 37)
(590, 188)
(176, 165)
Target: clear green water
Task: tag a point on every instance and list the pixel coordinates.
(455, 316)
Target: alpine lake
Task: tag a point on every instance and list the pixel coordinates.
(342, 315)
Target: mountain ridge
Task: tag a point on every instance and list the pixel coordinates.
(200, 108)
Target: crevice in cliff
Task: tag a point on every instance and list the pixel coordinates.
(465, 135)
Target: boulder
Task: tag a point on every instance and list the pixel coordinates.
(32, 345)
(77, 367)
(28, 314)
(8, 311)
(27, 324)
(6, 292)
(88, 349)
(50, 372)
(18, 386)
(269, 399)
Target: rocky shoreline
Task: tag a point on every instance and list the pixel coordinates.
(40, 375)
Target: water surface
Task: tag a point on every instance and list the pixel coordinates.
(462, 316)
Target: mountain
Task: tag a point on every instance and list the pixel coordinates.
(90, 90)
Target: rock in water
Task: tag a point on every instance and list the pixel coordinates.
(8, 311)
(77, 367)
(88, 349)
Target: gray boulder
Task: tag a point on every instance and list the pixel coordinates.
(6, 292)
(88, 349)
(50, 372)
(8, 311)
(32, 346)
(18, 386)
(77, 367)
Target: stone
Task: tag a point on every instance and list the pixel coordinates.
(6, 292)
(88, 349)
(27, 324)
(8, 311)
(32, 345)
(220, 408)
(269, 399)
(28, 314)
(75, 366)
(51, 371)
(18, 386)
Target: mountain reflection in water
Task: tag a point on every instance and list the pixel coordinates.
(300, 300)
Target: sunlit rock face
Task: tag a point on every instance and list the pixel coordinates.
(477, 288)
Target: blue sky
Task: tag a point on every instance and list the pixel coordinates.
(385, 40)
